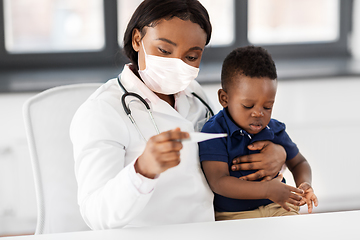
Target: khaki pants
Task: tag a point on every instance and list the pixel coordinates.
(270, 210)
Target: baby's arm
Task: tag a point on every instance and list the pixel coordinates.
(301, 171)
(220, 181)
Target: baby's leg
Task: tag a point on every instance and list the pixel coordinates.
(219, 216)
(274, 209)
(270, 210)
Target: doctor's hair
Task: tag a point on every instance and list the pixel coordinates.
(150, 12)
(250, 61)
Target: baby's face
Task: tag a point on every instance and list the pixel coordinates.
(250, 102)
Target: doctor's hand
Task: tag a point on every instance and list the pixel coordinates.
(268, 162)
(162, 152)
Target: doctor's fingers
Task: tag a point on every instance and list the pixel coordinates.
(169, 146)
(256, 157)
(245, 166)
(175, 134)
(168, 156)
(164, 165)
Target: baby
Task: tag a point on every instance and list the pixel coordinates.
(248, 92)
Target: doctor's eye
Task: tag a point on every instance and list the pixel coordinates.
(164, 51)
(192, 58)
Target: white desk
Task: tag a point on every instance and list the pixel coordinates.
(340, 225)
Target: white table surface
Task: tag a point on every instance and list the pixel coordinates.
(337, 225)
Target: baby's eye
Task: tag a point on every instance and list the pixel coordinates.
(164, 51)
(268, 107)
(248, 106)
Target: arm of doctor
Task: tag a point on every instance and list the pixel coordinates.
(107, 193)
(162, 152)
(268, 162)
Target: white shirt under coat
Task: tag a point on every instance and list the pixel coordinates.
(106, 145)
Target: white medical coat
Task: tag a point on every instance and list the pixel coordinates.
(106, 145)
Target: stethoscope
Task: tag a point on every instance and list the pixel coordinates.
(147, 106)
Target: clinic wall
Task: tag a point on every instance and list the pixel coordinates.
(17, 191)
(355, 38)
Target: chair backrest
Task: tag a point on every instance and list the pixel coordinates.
(47, 120)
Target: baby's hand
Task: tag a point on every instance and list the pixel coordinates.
(309, 196)
(281, 193)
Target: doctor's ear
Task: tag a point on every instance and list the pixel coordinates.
(136, 39)
(223, 97)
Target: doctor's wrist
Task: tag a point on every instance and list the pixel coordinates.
(139, 168)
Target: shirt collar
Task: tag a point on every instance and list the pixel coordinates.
(133, 84)
(265, 134)
(232, 126)
(188, 92)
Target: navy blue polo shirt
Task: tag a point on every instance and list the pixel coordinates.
(235, 145)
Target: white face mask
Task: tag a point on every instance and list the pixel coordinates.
(167, 75)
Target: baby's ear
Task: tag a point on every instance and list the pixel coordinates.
(223, 97)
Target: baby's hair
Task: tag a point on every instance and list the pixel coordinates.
(249, 61)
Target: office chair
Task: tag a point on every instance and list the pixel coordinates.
(47, 120)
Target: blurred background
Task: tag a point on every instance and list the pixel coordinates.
(315, 44)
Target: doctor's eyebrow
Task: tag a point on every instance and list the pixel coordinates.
(167, 40)
(196, 48)
(174, 44)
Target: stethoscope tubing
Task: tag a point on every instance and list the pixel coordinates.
(128, 111)
(147, 106)
(203, 102)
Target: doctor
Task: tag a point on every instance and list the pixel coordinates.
(125, 181)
